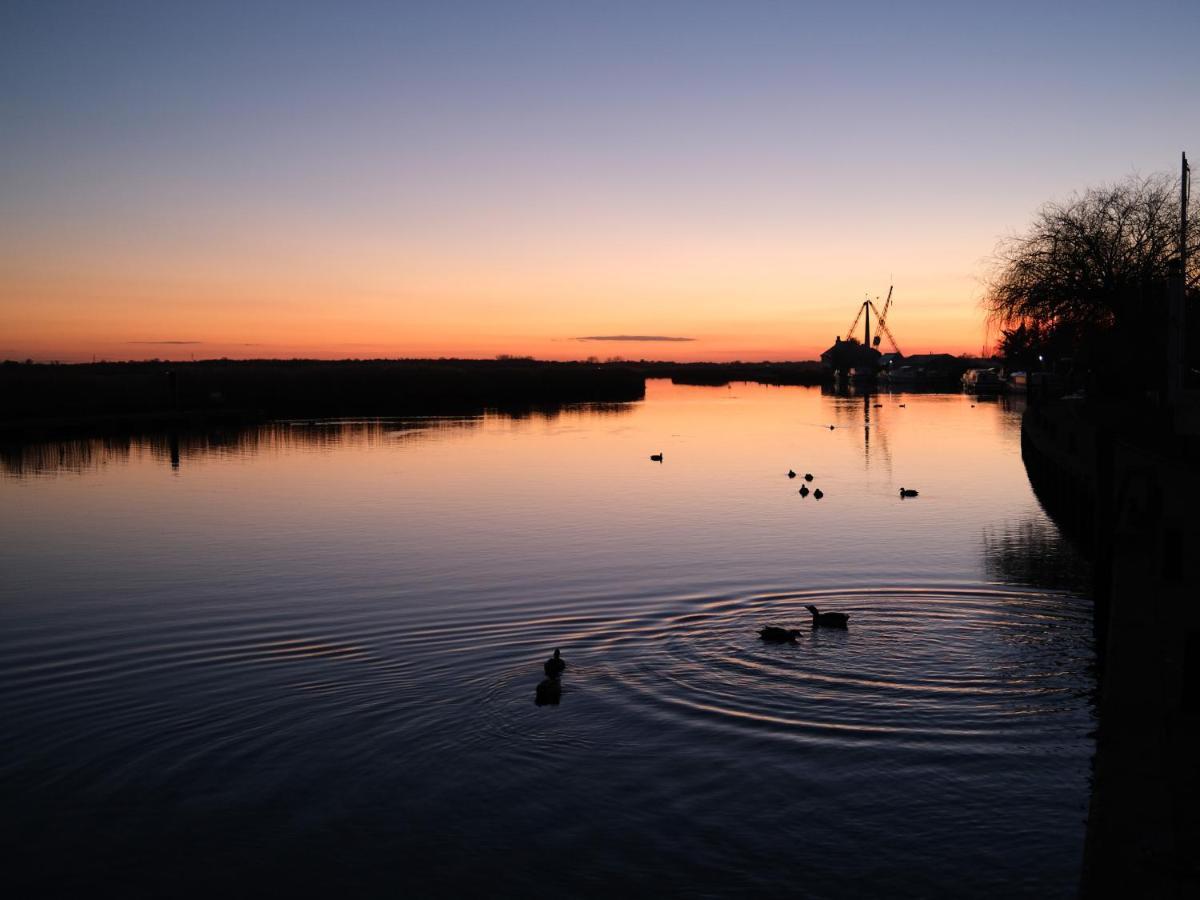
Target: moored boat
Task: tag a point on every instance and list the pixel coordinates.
(982, 381)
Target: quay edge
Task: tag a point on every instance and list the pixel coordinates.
(1124, 485)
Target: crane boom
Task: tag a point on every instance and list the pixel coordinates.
(887, 304)
(854, 324)
(879, 322)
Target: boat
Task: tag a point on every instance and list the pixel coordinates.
(982, 381)
(902, 375)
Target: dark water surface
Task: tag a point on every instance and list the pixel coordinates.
(302, 659)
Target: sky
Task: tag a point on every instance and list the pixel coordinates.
(360, 179)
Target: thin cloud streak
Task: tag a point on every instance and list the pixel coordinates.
(164, 342)
(635, 338)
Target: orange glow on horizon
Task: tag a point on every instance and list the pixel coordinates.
(152, 312)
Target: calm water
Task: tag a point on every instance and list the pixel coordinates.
(303, 658)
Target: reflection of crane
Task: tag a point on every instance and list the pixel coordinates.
(880, 321)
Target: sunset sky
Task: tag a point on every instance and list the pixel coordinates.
(468, 179)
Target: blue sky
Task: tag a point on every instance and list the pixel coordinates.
(306, 142)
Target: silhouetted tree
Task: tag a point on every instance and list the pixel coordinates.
(1090, 274)
(1019, 346)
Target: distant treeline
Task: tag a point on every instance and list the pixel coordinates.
(717, 374)
(154, 393)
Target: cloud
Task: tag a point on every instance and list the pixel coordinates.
(634, 338)
(164, 342)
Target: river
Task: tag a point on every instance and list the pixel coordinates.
(303, 657)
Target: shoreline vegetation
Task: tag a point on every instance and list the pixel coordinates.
(40, 398)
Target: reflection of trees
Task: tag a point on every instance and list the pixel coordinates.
(78, 454)
(74, 455)
(1033, 553)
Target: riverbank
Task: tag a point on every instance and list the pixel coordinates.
(156, 395)
(1125, 484)
(153, 395)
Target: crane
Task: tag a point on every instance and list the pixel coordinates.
(867, 306)
(880, 321)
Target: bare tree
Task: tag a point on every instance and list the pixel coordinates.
(1095, 267)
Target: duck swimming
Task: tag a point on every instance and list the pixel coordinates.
(791, 474)
(828, 619)
(776, 635)
(908, 492)
(656, 457)
(818, 494)
(808, 476)
(804, 490)
(553, 667)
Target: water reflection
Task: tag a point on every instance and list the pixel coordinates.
(1033, 552)
(853, 408)
(549, 692)
(75, 455)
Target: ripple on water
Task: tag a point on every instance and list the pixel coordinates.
(971, 670)
(917, 668)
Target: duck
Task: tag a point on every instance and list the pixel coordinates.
(804, 490)
(879, 406)
(791, 474)
(656, 457)
(831, 428)
(553, 667)
(776, 635)
(902, 405)
(808, 476)
(818, 494)
(908, 492)
(827, 619)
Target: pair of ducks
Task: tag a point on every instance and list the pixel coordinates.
(776, 634)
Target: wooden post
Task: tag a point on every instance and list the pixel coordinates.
(1176, 298)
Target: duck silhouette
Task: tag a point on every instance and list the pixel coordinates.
(804, 490)
(553, 667)
(776, 635)
(902, 405)
(827, 619)
(908, 492)
(808, 476)
(791, 474)
(656, 457)
(818, 494)
(831, 428)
